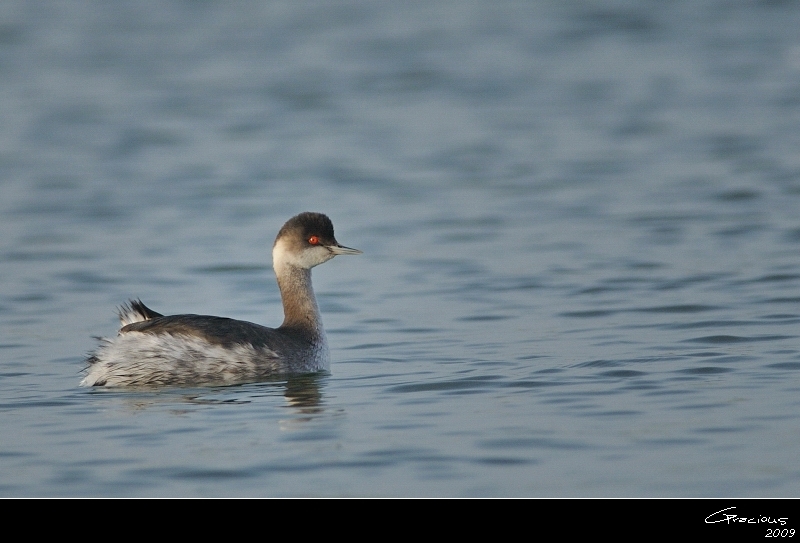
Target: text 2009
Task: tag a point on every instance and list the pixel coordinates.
(780, 532)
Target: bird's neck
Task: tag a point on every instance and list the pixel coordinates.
(300, 308)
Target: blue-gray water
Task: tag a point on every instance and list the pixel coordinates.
(580, 224)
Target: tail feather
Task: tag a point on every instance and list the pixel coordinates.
(135, 311)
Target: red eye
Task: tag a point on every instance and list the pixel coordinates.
(313, 240)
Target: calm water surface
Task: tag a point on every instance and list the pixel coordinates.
(580, 224)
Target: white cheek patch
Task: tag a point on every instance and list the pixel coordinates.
(308, 258)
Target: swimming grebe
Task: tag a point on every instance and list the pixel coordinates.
(189, 350)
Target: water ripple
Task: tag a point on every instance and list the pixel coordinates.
(722, 339)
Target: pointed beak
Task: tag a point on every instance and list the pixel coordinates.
(342, 250)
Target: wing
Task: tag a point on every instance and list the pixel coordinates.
(217, 331)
